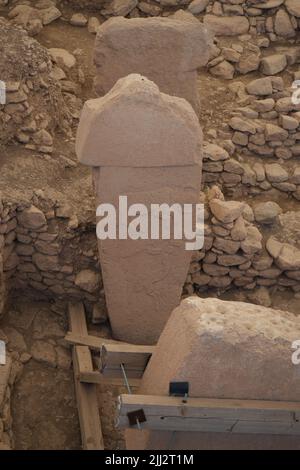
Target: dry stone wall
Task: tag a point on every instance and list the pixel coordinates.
(251, 178)
(276, 19)
(45, 252)
(35, 104)
(7, 377)
(235, 253)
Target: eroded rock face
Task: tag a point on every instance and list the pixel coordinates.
(167, 51)
(145, 145)
(224, 350)
(227, 25)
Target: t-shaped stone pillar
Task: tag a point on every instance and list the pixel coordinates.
(167, 51)
(145, 145)
(228, 350)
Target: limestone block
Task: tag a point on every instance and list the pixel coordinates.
(224, 350)
(166, 50)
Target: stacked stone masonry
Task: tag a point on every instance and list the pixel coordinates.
(42, 251)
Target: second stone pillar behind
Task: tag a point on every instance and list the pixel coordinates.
(145, 145)
(166, 50)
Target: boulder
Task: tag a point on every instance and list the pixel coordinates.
(214, 152)
(283, 25)
(63, 57)
(273, 64)
(32, 218)
(275, 173)
(287, 257)
(87, 280)
(293, 7)
(260, 87)
(227, 25)
(119, 7)
(197, 6)
(266, 212)
(226, 211)
(223, 70)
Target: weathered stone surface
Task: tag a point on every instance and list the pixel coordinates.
(226, 211)
(252, 243)
(260, 87)
(63, 57)
(287, 257)
(293, 7)
(5, 371)
(243, 352)
(169, 120)
(273, 132)
(166, 50)
(32, 218)
(275, 173)
(42, 351)
(268, 4)
(87, 280)
(242, 125)
(283, 25)
(93, 25)
(227, 25)
(152, 168)
(214, 152)
(223, 70)
(266, 212)
(120, 7)
(78, 19)
(273, 64)
(46, 262)
(197, 6)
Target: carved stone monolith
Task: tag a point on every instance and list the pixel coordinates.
(147, 146)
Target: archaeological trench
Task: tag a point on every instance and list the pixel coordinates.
(165, 102)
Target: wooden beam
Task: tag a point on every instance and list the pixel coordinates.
(133, 357)
(212, 415)
(93, 342)
(86, 393)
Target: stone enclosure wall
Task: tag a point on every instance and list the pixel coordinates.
(44, 251)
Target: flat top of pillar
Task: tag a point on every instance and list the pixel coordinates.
(135, 125)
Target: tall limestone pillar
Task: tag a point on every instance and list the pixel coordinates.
(167, 51)
(147, 146)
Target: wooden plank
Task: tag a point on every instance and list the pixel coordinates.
(88, 411)
(92, 377)
(86, 393)
(93, 342)
(133, 357)
(212, 415)
(118, 382)
(77, 318)
(127, 354)
(85, 366)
